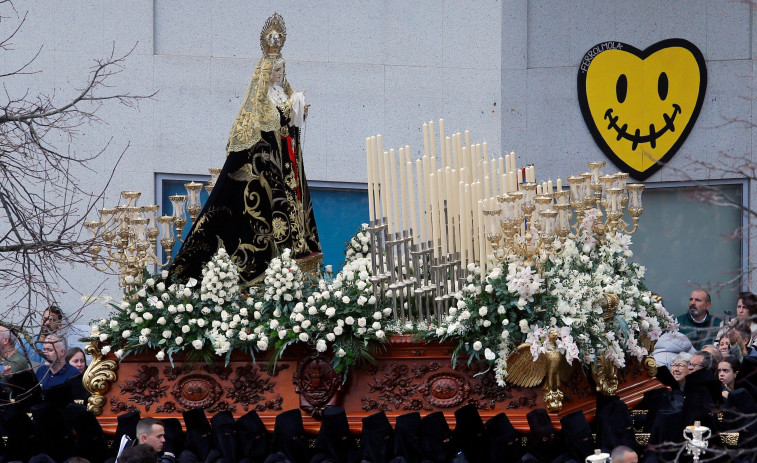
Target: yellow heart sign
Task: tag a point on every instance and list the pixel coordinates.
(640, 105)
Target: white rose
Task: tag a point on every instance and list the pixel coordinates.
(197, 344)
(148, 316)
(143, 339)
(164, 274)
(161, 286)
(482, 311)
(179, 340)
(145, 331)
(201, 322)
(330, 337)
(142, 293)
(487, 323)
(376, 325)
(185, 329)
(349, 320)
(341, 353)
(477, 345)
(377, 315)
(489, 354)
(167, 334)
(105, 350)
(304, 337)
(119, 353)
(262, 344)
(274, 324)
(320, 346)
(338, 330)
(103, 336)
(361, 321)
(380, 334)
(160, 355)
(125, 334)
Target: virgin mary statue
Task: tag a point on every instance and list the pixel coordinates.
(260, 203)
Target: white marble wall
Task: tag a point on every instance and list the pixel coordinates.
(505, 70)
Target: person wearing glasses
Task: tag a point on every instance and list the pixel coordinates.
(679, 369)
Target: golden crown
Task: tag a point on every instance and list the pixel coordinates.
(273, 36)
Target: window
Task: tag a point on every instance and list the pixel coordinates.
(340, 209)
(685, 242)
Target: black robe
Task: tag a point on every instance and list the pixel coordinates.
(259, 206)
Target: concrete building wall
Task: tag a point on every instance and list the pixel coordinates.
(505, 70)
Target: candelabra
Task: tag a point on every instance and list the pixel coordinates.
(125, 239)
(696, 439)
(528, 221)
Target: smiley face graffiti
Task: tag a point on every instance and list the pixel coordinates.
(640, 105)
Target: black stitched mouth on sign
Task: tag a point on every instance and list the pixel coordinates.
(637, 138)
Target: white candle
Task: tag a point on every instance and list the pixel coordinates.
(431, 139)
(468, 224)
(549, 187)
(519, 173)
(425, 139)
(404, 200)
(369, 167)
(443, 146)
(434, 213)
(412, 218)
(503, 183)
(493, 175)
(512, 181)
(450, 153)
(467, 140)
(538, 189)
(463, 224)
(559, 184)
(501, 165)
(442, 222)
(481, 239)
(395, 188)
(451, 191)
(422, 223)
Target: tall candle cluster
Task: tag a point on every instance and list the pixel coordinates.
(440, 197)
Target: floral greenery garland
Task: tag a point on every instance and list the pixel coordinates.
(512, 304)
(218, 317)
(515, 304)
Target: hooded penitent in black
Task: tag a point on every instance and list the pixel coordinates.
(436, 438)
(407, 437)
(470, 434)
(376, 439)
(576, 435)
(253, 437)
(614, 424)
(199, 435)
(289, 437)
(505, 444)
(335, 442)
(543, 442)
(225, 436)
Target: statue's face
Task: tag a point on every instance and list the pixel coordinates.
(278, 73)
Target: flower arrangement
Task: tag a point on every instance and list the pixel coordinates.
(495, 313)
(218, 317)
(516, 304)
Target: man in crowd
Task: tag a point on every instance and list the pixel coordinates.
(697, 324)
(151, 431)
(56, 370)
(12, 360)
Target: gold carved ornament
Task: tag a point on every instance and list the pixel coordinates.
(98, 377)
(605, 373)
(551, 368)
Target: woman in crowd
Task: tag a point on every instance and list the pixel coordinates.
(75, 356)
(746, 312)
(727, 371)
(680, 369)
